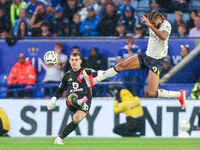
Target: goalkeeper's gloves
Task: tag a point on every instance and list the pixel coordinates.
(51, 105)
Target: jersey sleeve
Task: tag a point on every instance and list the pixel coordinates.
(63, 83)
(91, 71)
(167, 27)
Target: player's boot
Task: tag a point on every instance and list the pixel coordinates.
(58, 141)
(82, 102)
(182, 99)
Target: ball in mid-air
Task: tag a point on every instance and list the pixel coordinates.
(51, 58)
(184, 125)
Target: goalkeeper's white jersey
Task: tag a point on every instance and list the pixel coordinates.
(157, 48)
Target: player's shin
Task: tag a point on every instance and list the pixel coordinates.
(168, 94)
(68, 129)
(102, 75)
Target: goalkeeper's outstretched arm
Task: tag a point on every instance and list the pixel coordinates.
(51, 105)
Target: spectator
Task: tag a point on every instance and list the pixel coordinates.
(166, 66)
(83, 64)
(178, 20)
(32, 5)
(195, 32)
(195, 91)
(45, 30)
(58, 20)
(127, 51)
(178, 5)
(22, 17)
(84, 13)
(4, 123)
(5, 24)
(102, 10)
(37, 19)
(129, 20)
(65, 30)
(108, 23)
(130, 105)
(96, 60)
(15, 10)
(190, 23)
(182, 31)
(120, 30)
(55, 3)
(160, 5)
(139, 31)
(90, 24)
(75, 25)
(5, 4)
(23, 30)
(22, 73)
(54, 73)
(71, 8)
(123, 7)
(184, 51)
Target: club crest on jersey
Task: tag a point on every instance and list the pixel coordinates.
(80, 77)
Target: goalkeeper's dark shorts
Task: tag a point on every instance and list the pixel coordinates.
(74, 109)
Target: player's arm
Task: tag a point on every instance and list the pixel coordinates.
(118, 108)
(161, 34)
(51, 105)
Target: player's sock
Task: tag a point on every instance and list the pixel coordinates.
(168, 94)
(102, 75)
(68, 129)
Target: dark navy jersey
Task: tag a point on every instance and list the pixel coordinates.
(76, 83)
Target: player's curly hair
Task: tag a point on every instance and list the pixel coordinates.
(154, 14)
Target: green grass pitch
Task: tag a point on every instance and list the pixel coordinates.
(7, 143)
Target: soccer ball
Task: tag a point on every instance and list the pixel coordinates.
(184, 125)
(51, 58)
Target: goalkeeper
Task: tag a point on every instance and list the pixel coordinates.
(130, 105)
(79, 100)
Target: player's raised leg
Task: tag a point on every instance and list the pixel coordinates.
(153, 82)
(131, 63)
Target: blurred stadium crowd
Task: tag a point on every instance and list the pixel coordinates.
(66, 18)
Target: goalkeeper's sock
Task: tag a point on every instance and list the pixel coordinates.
(68, 129)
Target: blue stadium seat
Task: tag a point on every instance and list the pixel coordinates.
(39, 93)
(3, 78)
(171, 17)
(3, 95)
(134, 3)
(144, 5)
(186, 17)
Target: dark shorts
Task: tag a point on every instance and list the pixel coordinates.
(152, 64)
(74, 109)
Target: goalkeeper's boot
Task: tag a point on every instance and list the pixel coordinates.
(182, 99)
(58, 141)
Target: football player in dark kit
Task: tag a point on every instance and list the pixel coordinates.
(79, 100)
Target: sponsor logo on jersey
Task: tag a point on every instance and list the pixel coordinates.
(70, 79)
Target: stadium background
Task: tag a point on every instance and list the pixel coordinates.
(29, 117)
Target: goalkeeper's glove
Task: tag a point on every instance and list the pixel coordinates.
(51, 105)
